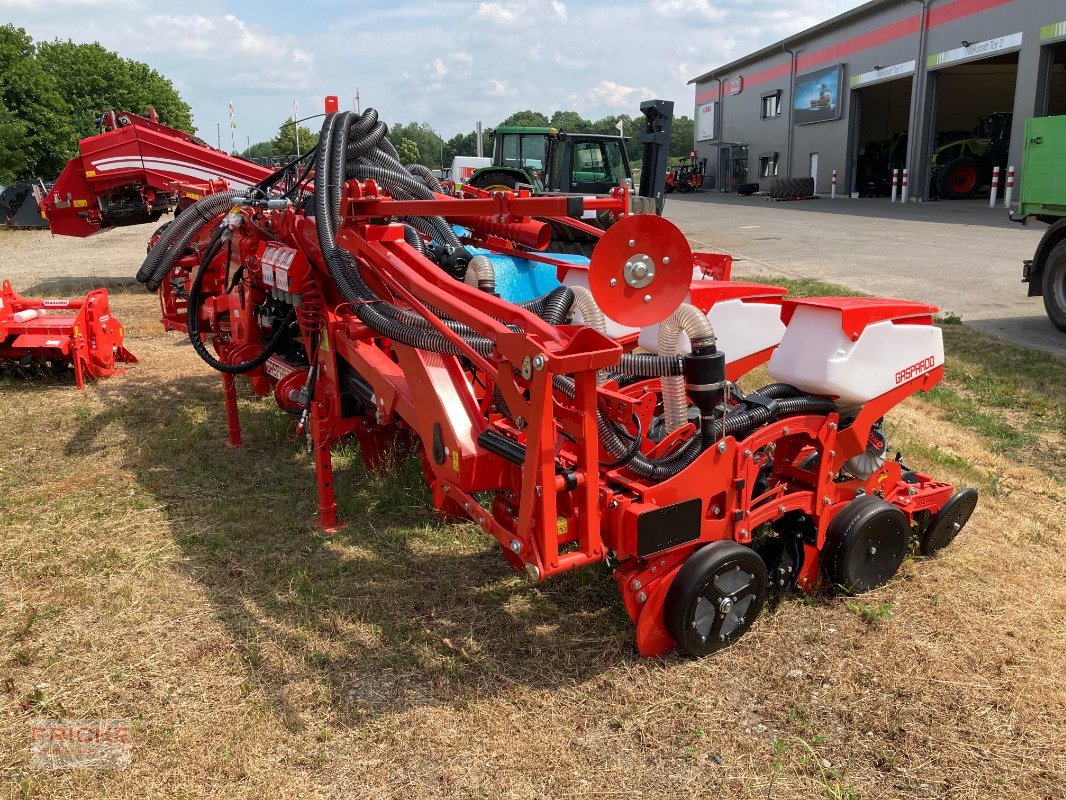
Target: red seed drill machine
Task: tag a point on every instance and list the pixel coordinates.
(578, 411)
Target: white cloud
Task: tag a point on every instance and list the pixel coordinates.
(615, 95)
(448, 63)
(526, 14)
(698, 10)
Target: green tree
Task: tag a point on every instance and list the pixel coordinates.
(422, 136)
(13, 140)
(570, 122)
(462, 144)
(408, 151)
(36, 135)
(532, 119)
(260, 150)
(682, 136)
(284, 144)
(93, 80)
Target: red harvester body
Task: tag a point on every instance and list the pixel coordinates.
(134, 171)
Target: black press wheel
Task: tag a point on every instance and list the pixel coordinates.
(865, 544)
(948, 521)
(715, 597)
(1053, 286)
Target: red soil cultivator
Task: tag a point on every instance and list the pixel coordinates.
(577, 411)
(89, 339)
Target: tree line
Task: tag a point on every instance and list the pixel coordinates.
(51, 94)
(419, 142)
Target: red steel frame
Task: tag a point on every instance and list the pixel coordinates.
(558, 509)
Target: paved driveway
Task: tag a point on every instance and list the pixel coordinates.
(961, 255)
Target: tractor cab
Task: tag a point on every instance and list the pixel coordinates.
(522, 149)
(551, 161)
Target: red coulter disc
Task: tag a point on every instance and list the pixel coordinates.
(640, 270)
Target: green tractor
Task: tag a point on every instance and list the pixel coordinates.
(963, 165)
(550, 161)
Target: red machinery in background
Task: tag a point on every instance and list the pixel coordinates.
(595, 419)
(90, 339)
(134, 171)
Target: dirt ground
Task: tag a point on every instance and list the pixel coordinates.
(149, 573)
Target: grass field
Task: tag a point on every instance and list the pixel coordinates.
(150, 573)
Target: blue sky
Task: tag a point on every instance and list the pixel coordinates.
(446, 62)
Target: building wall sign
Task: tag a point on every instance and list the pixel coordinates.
(735, 85)
(705, 115)
(1056, 30)
(817, 95)
(882, 74)
(976, 50)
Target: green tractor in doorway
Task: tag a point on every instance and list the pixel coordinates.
(551, 162)
(961, 166)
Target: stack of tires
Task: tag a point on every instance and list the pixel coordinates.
(789, 188)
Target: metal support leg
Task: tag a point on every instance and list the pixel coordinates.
(320, 442)
(233, 422)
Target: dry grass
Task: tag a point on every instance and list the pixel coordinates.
(148, 572)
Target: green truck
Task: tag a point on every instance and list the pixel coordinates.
(1043, 198)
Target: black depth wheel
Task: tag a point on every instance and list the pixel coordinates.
(865, 544)
(715, 597)
(948, 521)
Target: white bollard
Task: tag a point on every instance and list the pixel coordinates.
(1010, 187)
(833, 191)
(895, 181)
(995, 188)
(903, 191)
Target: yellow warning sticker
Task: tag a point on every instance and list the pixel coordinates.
(324, 346)
(455, 460)
(90, 173)
(81, 203)
(192, 195)
(560, 525)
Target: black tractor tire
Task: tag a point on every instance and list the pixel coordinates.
(495, 181)
(715, 597)
(668, 188)
(959, 178)
(1053, 286)
(790, 188)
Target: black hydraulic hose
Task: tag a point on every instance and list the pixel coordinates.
(414, 239)
(736, 423)
(194, 320)
(338, 157)
(557, 305)
(172, 242)
(633, 448)
(426, 175)
(268, 182)
(776, 390)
